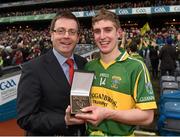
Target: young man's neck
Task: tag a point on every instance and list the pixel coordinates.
(107, 58)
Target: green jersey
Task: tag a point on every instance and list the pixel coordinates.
(121, 85)
(137, 56)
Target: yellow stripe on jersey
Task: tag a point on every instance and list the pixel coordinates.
(146, 105)
(124, 56)
(105, 65)
(136, 86)
(110, 99)
(146, 72)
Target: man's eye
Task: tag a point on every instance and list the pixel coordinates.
(60, 31)
(108, 29)
(97, 31)
(72, 31)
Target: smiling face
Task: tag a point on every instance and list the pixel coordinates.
(106, 36)
(65, 43)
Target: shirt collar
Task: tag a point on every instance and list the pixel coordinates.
(61, 59)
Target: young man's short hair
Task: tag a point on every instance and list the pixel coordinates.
(104, 14)
(66, 15)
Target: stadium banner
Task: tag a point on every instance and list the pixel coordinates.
(8, 88)
(3, 5)
(89, 13)
(112, 10)
(30, 18)
(27, 18)
(124, 11)
(118, 11)
(160, 9)
(175, 8)
(79, 14)
(143, 10)
(4, 20)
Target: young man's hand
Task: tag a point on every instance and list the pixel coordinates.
(93, 114)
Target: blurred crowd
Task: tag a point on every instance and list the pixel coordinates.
(18, 45)
(132, 4)
(158, 48)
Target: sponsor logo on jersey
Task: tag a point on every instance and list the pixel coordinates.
(115, 82)
(144, 99)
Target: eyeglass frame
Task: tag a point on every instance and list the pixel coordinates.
(70, 31)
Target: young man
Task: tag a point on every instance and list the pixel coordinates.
(122, 94)
(45, 83)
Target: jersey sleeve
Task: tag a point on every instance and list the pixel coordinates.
(143, 92)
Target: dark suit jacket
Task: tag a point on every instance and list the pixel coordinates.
(43, 96)
(168, 57)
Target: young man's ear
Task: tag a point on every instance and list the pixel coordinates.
(120, 32)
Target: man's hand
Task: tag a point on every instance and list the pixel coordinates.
(93, 114)
(70, 119)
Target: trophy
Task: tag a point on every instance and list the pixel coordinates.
(80, 90)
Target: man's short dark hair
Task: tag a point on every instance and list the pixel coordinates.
(66, 15)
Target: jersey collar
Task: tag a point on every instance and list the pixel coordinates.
(123, 56)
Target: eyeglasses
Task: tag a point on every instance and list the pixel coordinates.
(62, 31)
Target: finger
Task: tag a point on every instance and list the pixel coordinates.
(68, 113)
(76, 121)
(88, 116)
(87, 109)
(68, 109)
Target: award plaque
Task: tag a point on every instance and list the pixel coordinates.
(80, 90)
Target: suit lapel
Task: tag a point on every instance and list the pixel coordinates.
(54, 69)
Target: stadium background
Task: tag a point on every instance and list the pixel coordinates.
(26, 23)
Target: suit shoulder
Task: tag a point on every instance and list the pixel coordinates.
(34, 62)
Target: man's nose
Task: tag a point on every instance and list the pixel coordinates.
(66, 34)
(102, 35)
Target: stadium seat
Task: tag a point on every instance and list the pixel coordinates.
(168, 79)
(178, 81)
(169, 86)
(169, 119)
(167, 91)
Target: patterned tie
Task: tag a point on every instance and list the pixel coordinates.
(70, 63)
